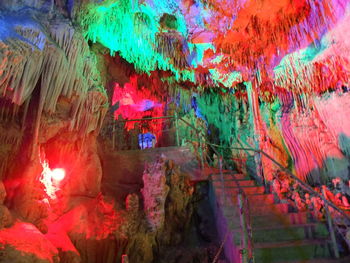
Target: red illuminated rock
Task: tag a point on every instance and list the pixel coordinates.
(2, 192)
(24, 243)
(6, 218)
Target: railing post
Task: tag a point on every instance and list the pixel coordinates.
(244, 233)
(113, 134)
(200, 151)
(177, 130)
(330, 226)
(222, 180)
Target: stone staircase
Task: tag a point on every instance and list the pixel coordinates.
(278, 235)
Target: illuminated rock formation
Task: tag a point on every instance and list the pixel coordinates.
(80, 80)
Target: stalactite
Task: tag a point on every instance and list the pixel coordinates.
(170, 45)
(314, 77)
(291, 31)
(90, 114)
(57, 59)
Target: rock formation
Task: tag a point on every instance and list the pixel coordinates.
(80, 80)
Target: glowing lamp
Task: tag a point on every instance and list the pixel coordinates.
(58, 174)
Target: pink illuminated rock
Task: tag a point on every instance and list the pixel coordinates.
(154, 194)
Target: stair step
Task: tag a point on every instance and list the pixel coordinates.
(229, 176)
(257, 199)
(271, 252)
(291, 243)
(269, 220)
(232, 183)
(234, 191)
(265, 209)
(290, 218)
(321, 260)
(290, 232)
(318, 226)
(278, 233)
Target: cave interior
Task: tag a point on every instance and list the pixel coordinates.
(212, 131)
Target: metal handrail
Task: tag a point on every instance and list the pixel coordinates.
(216, 258)
(243, 204)
(303, 184)
(216, 152)
(247, 225)
(160, 118)
(327, 203)
(309, 189)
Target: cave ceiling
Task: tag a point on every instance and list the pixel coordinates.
(227, 41)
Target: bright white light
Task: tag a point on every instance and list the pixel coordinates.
(58, 174)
